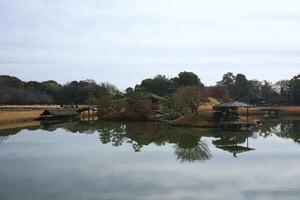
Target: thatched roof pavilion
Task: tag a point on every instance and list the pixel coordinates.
(154, 96)
(230, 108)
(57, 113)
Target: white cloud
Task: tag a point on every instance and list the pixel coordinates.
(126, 41)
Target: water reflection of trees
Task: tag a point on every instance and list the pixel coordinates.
(289, 129)
(114, 135)
(5, 133)
(140, 134)
(189, 145)
(191, 154)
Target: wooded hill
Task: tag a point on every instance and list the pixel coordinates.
(238, 87)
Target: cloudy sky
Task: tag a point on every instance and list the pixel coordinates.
(125, 41)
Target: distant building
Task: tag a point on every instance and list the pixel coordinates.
(155, 100)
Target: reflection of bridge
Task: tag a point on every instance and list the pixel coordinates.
(271, 111)
(92, 108)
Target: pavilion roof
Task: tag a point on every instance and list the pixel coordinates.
(154, 96)
(60, 112)
(234, 104)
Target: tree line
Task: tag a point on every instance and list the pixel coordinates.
(237, 87)
(16, 91)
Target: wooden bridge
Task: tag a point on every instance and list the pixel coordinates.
(88, 112)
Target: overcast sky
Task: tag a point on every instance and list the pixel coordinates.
(125, 41)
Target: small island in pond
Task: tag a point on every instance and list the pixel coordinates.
(234, 102)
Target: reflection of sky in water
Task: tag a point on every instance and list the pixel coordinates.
(62, 165)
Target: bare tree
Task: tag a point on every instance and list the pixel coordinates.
(192, 97)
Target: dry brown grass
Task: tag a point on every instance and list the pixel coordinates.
(32, 107)
(16, 116)
(20, 113)
(195, 120)
(27, 107)
(292, 110)
(283, 110)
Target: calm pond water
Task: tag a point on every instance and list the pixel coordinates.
(139, 160)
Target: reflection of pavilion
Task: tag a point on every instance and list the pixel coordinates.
(230, 144)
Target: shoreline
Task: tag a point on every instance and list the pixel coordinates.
(20, 115)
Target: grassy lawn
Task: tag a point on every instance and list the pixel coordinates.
(17, 116)
(202, 119)
(204, 116)
(283, 110)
